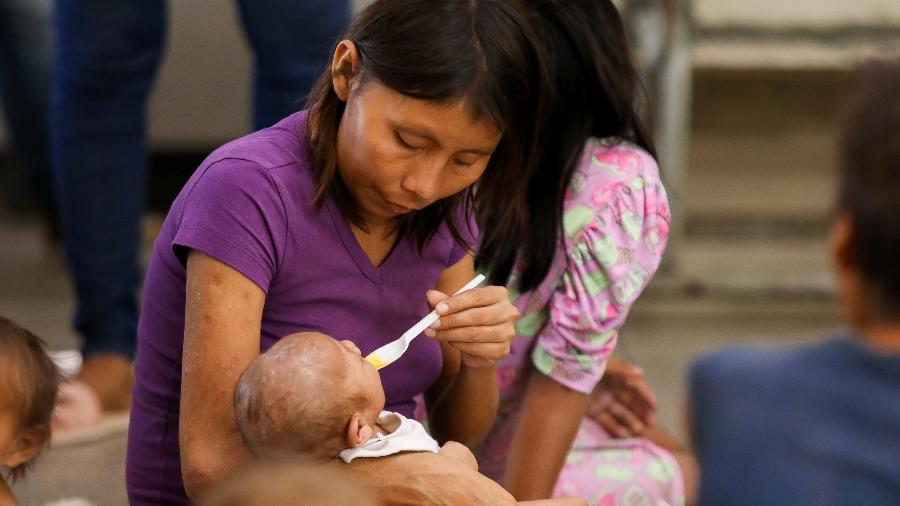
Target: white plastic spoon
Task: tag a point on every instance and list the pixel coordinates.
(390, 352)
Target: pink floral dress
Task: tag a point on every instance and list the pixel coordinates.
(616, 223)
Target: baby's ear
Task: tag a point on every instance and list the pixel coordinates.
(358, 431)
(27, 445)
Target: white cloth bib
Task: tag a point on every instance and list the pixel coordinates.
(408, 436)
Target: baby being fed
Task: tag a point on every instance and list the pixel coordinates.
(313, 395)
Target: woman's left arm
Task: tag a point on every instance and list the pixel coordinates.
(475, 329)
(548, 422)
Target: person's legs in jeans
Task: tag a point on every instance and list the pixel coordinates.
(25, 55)
(106, 56)
(291, 42)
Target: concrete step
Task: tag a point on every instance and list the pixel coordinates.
(779, 268)
(775, 15)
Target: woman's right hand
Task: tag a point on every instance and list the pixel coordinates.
(426, 478)
(623, 403)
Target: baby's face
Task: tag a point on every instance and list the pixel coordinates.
(8, 429)
(360, 372)
(342, 360)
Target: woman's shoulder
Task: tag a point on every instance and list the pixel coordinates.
(614, 160)
(280, 144)
(270, 161)
(616, 177)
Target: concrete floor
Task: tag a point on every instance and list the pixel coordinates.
(752, 267)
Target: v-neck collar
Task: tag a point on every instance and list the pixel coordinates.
(374, 273)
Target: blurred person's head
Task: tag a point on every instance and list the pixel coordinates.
(289, 484)
(866, 234)
(308, 395)
(595, 90)
(28, 385)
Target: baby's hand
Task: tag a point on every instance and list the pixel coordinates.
(459, 453)
(623, 403)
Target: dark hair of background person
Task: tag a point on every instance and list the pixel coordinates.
(28, 380)
(595, 91)
(870, 180)
(481, 51)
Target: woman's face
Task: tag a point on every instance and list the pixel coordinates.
(397, 154)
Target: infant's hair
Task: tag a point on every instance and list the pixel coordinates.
(290, 483)
(28, 381)
(291, 400)
(870, 180)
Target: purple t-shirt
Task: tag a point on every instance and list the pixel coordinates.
(249, 206)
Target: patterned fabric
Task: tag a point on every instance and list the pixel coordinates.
(616, 223)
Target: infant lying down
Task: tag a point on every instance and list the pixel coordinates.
(311, 395)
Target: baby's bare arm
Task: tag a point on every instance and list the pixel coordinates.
(460, 453)
(562, 501)
(425, 478)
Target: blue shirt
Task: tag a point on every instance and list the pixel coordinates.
(813, 425)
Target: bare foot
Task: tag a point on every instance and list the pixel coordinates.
(110, 376)
(77, 407)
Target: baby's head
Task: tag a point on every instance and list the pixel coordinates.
(28, 384)
(309, 394)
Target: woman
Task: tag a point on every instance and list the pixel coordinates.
(339, 219)
(593, 237)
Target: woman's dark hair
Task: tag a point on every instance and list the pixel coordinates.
(870, 180)
(595, 91)
(28, 380)
(483, 51)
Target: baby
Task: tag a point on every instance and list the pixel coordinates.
(314, 396)
(28, 384)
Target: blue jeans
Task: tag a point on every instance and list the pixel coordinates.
(106, 57)
(25, 51)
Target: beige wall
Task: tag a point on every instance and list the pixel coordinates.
(202, 97)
